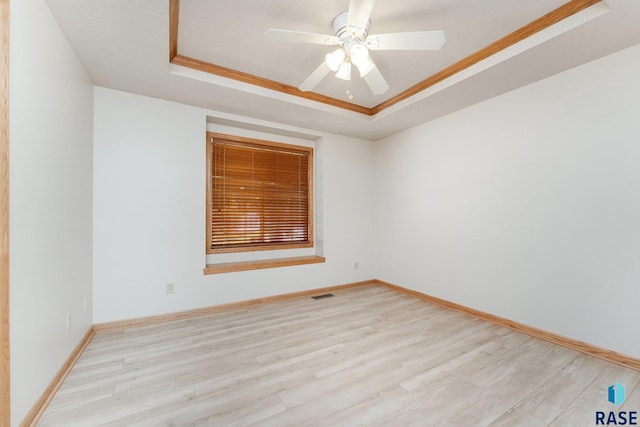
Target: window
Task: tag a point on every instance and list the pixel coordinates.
(259, 195)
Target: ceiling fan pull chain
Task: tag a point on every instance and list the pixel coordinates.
(350, 95)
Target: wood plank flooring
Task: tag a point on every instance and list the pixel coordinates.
(368, 356)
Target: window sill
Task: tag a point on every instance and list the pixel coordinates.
(228, 267)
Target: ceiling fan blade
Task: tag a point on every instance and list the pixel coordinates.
(419, 40)
(376, 82)
(315, 77)
(359, 13)
(301, 37)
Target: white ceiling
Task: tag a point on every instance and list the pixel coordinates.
(124, 44)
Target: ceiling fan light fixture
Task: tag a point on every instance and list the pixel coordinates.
(365, 66)
(344, 72)
(351, 34)
(359, 54)
(335, 59)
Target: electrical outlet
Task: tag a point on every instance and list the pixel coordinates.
(356, 265)
(68, 321)
(170, 288)
(85, 303)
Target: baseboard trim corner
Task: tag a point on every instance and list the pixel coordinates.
(573, 344)
(41, 404)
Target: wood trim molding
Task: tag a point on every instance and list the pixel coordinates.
(174, 19)
(592, 350)
(551, 18)
(209, 185)
(40, 406)
(5, 372)
(240, 76)
(142, 321)
(228, 267)
(601, 353)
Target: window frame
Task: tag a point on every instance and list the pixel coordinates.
(209, 194)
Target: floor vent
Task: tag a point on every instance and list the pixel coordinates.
(323, 296)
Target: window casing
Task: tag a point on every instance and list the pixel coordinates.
(259, 195)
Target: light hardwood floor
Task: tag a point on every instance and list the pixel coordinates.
(368, 356)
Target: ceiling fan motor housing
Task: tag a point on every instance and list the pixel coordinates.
(341, 31)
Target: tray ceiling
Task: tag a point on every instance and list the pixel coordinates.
(230, 33)
(126, 45)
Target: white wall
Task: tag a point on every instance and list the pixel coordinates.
(526, 206)
(149, 213)
(51, 122)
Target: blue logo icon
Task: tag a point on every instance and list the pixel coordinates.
(616, 394)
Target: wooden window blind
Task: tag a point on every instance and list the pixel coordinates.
(260, 195)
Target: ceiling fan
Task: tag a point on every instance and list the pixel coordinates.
(351, 33)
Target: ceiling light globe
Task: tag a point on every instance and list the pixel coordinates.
(335, 59)
(344, 72)
(365, 66)
(359, 54)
